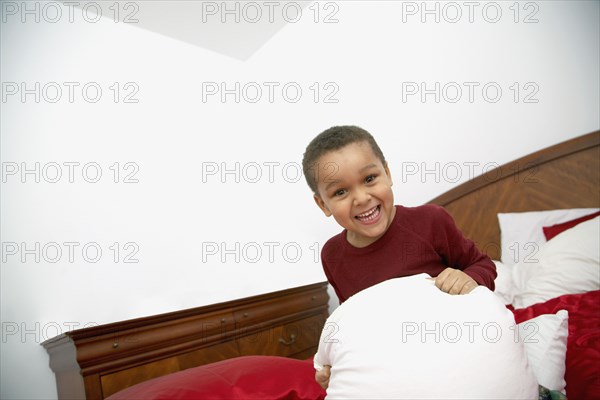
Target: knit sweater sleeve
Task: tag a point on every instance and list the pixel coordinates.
(460, 252)
(328, 254)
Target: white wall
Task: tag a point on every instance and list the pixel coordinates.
(171, 136)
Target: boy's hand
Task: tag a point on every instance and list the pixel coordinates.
(322, 376)
(454, 281)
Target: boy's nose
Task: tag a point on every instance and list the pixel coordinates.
(361, 197)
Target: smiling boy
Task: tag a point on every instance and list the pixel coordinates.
(351, 181)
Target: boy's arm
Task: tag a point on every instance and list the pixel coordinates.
(461, 253)
(326, 258)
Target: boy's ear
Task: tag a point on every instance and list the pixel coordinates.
(388, 173)
(322, 205)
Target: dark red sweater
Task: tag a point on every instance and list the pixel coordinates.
(419, 239)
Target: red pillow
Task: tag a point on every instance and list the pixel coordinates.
(551, 231)
(583, 343)
(249, 377)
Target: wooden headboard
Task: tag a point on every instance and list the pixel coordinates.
(566, 175)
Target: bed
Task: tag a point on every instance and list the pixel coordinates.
(262, 347)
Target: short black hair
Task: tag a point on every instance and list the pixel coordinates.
(333, 139)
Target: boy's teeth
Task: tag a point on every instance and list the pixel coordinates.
(368, 213)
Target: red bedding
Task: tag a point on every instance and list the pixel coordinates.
(583, 343)
(249, 377)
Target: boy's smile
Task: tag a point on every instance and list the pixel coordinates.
(356, 188)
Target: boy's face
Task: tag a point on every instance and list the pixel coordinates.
(356, 188)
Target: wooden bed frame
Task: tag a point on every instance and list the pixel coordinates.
(94, 363)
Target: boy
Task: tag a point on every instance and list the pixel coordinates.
(351, 181)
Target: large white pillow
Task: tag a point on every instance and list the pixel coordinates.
(545, 339)
(567, 264)
(406, 339)
(521, 234)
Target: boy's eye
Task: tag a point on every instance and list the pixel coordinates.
(370, 178)
(339, 192)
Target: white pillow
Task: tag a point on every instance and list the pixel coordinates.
(504, 286)
(567, 264)
(406, 339)
(521, 234)
(545, 339)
